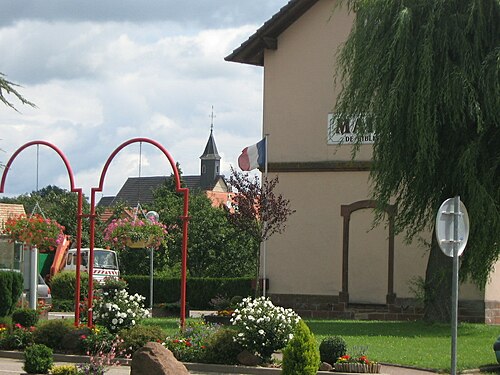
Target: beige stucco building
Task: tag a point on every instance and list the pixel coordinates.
(330, 262)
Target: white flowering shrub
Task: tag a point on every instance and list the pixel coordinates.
(116, 309)
(262, 327)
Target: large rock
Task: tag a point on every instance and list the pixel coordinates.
(325, 366)
(154, 359)
(248, 359)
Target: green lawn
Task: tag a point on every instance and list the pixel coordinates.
(405, 343)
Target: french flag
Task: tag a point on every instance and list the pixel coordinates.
(253, 156)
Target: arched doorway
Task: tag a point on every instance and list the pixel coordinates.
(367, 260)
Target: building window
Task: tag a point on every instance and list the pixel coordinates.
(203, 169)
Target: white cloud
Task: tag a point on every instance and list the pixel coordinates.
(97, 84)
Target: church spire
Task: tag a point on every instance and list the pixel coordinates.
(210, 160)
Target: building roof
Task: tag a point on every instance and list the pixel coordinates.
(210, 152)
(252, 50)
(220, 198)
(140, 189)
(8, 210)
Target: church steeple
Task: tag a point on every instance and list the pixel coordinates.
(210, 160)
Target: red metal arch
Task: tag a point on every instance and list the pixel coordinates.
(135, 140)
(184, 218)
(79, 208)
(26, 145)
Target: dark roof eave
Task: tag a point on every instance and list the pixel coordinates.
(252, 50)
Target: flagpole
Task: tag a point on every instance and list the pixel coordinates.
(264, 226)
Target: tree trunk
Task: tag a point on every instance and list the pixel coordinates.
(438, 285)
(257, 281)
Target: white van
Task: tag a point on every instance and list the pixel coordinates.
(105, 263)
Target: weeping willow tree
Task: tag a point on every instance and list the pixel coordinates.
(9, 88)
(424, 74)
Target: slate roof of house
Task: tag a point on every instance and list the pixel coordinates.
(140, 189)
(252, 50)
(8, 210)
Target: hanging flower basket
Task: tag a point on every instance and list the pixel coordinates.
(35, 230)
(139, 244)
(135, 233)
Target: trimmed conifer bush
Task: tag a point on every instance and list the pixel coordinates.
(11, 286)
(301, 355)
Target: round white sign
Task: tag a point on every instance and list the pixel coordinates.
(444, 227)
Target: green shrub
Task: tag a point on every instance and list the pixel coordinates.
(17, 288)
(169, 309)
(199, 290)
(189, 344)
(38, 359)
(62, 285)
(110, 284)
(331, 348)
(16, 338)
(63, 305)
(236, 300)
(301, 355)
(52, 332)
(25, 317)
(221, 347)
(64, 370)
(137, 336)
(11, 287)
(99, 339)
(6, 321)
(73, 342)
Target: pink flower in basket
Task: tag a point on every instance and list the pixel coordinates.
(122, 233)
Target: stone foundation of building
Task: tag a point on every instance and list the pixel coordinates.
(331, 307)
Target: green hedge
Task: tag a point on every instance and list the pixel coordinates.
(63, 284)
(11, 287)
(199, 291)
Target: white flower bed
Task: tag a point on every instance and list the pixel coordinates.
(117, 309)
(263, 328)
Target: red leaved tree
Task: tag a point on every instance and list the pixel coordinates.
(257, 209)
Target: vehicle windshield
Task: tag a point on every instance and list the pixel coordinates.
(105, 259)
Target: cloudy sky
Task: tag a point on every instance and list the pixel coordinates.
(104, 71)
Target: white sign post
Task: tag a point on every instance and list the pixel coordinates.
(452, 233)
(153, 217)
(33, 277)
